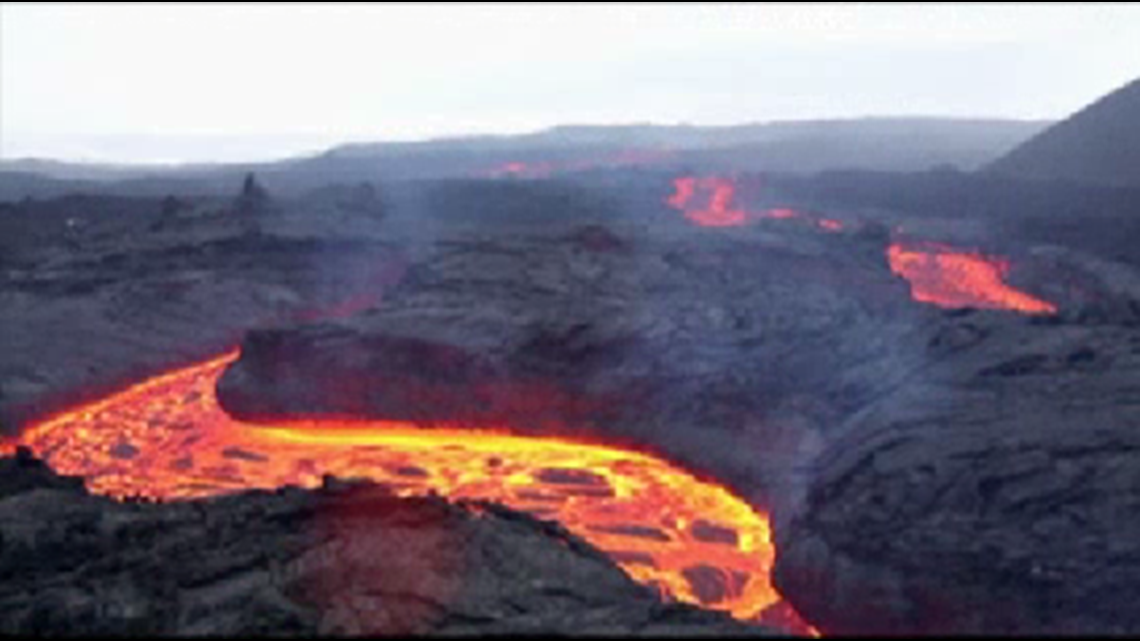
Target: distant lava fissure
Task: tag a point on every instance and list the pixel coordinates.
(938, 274)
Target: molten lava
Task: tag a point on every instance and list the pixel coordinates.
(720, 210)
(949, 277)
(684, 189)
(167, 438)
(938, 274)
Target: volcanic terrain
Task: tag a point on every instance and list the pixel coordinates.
(621, 396)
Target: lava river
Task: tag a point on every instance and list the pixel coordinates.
(168, 438)
(949, 277)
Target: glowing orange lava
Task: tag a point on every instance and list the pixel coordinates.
(720, 210)
(950, 277)
(167, 438)
(684, 189)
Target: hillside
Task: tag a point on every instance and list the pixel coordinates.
(1099, 144)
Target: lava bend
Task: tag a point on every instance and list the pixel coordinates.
(167, 438)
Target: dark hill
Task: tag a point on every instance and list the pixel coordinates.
(1099, 144)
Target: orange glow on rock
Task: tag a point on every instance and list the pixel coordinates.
(168, 438)
(719, 212)
(949, 277)
(719, 194)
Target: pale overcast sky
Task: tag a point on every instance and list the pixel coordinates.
(194, 82)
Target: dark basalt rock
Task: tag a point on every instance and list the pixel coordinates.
(346, 559)
(23, 472)
(599, 238)
(994, 492)
(408, 378)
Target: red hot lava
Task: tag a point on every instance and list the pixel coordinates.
(719, 210)
(949, 277)
(168, 438)
(938, 274)
(684, 189)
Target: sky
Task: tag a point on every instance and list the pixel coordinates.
(195, 82)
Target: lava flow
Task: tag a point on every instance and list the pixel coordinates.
(720, 210)
(949, 277)
(168, 438)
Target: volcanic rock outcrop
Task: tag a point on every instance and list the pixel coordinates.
(346, 559)
(992, 491)
(86, 311)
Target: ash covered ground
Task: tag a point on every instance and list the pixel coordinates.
(926, 469)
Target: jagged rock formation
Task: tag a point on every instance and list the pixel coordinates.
(994, 491)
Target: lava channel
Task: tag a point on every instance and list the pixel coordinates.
(952, 278)
(167, 438)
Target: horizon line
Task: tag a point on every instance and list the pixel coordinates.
(336, 141)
